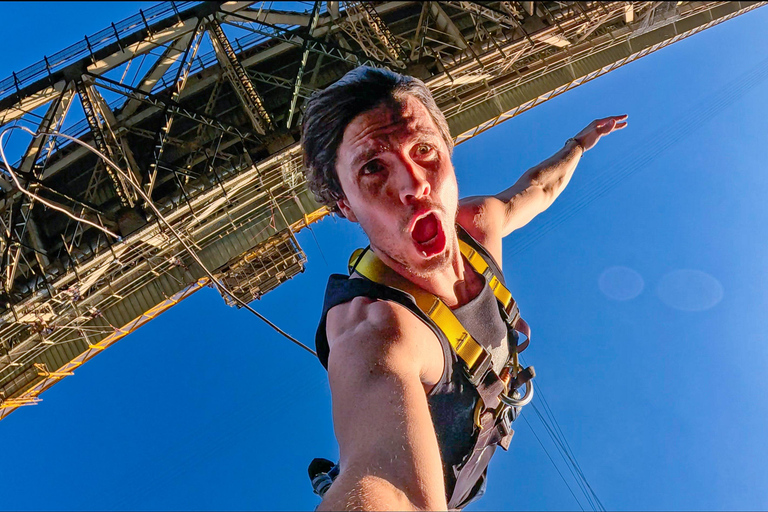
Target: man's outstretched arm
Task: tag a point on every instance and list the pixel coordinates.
(536, 190)
(390, 458)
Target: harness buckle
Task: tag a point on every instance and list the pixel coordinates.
(476, 374)
(511, 313)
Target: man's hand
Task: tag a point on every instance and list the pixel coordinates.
(489, 218)
(588, 137)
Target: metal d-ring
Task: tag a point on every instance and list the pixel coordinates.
(515, 402)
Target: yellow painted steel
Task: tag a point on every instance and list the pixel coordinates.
(9, 404)
(310, 218)
(43, 372)
(29, 396)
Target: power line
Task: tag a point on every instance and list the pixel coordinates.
(552, 461)
(600, 185)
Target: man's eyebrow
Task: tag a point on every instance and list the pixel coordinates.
(365, 155)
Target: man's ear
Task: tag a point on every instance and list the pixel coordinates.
(346, 210)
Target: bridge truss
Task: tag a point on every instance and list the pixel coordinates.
(200, 104)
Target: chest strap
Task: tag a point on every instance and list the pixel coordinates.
(476, 358)
(499, 403)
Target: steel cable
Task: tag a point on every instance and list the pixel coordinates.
(223, 289)
(598, 186)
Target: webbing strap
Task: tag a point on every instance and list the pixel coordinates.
(474, 355)
(502, 294)
(500, 291)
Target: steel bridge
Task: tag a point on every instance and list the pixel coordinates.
(200, 104)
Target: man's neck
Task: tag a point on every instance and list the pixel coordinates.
(455, 283)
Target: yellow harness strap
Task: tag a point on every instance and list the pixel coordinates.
(368, 265)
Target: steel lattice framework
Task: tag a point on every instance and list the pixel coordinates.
(199, 103)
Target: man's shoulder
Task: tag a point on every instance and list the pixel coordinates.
(479, 217)
(366, 333)
(363, 319)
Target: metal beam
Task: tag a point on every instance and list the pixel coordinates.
(52, 121)
(32, 102)
(178, 85)
(629, 13)
(275, 17)
(173, 106)
(169, 57)
(302, 65)
(119, 146)
(241, 83)
(100, 138)
(295, 39)
(362, 23)
(446, 24)
(286, 83)
(151, 42)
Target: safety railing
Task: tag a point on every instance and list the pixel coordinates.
(90, 44)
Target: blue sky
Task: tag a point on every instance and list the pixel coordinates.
(645, 285)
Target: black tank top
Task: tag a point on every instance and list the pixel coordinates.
(453, 399)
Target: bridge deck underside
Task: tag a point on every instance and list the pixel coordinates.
(199, 103)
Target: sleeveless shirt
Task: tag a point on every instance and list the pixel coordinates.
(453, 399)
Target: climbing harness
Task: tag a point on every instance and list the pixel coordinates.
(499, 396)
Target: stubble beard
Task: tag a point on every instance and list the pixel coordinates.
(426, 268)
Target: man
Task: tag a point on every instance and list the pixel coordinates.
(378, 152)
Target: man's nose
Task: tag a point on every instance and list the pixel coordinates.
(412, 179)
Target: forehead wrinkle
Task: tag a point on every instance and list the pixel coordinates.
(365, 154)
(390, 124)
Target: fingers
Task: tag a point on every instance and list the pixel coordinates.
(611, 118)
(610, 124)
(605, 126)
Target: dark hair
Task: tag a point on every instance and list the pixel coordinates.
(329, 112)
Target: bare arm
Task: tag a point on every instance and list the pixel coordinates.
(390, 458)
(488, 218)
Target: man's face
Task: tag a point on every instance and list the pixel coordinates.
(396, 173)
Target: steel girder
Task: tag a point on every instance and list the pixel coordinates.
(69, 291)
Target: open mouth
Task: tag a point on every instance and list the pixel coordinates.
(428, 235)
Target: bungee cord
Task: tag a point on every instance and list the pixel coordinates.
(222, 289)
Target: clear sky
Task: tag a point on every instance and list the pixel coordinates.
(645, 285)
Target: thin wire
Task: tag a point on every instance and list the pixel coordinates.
(35, 196)
(561, 443)
(221, 287)
(318, 245)
(563, 455)
(552, 461)
(568, 448)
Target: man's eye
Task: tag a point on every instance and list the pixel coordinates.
(372, 167)
(424, 149)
